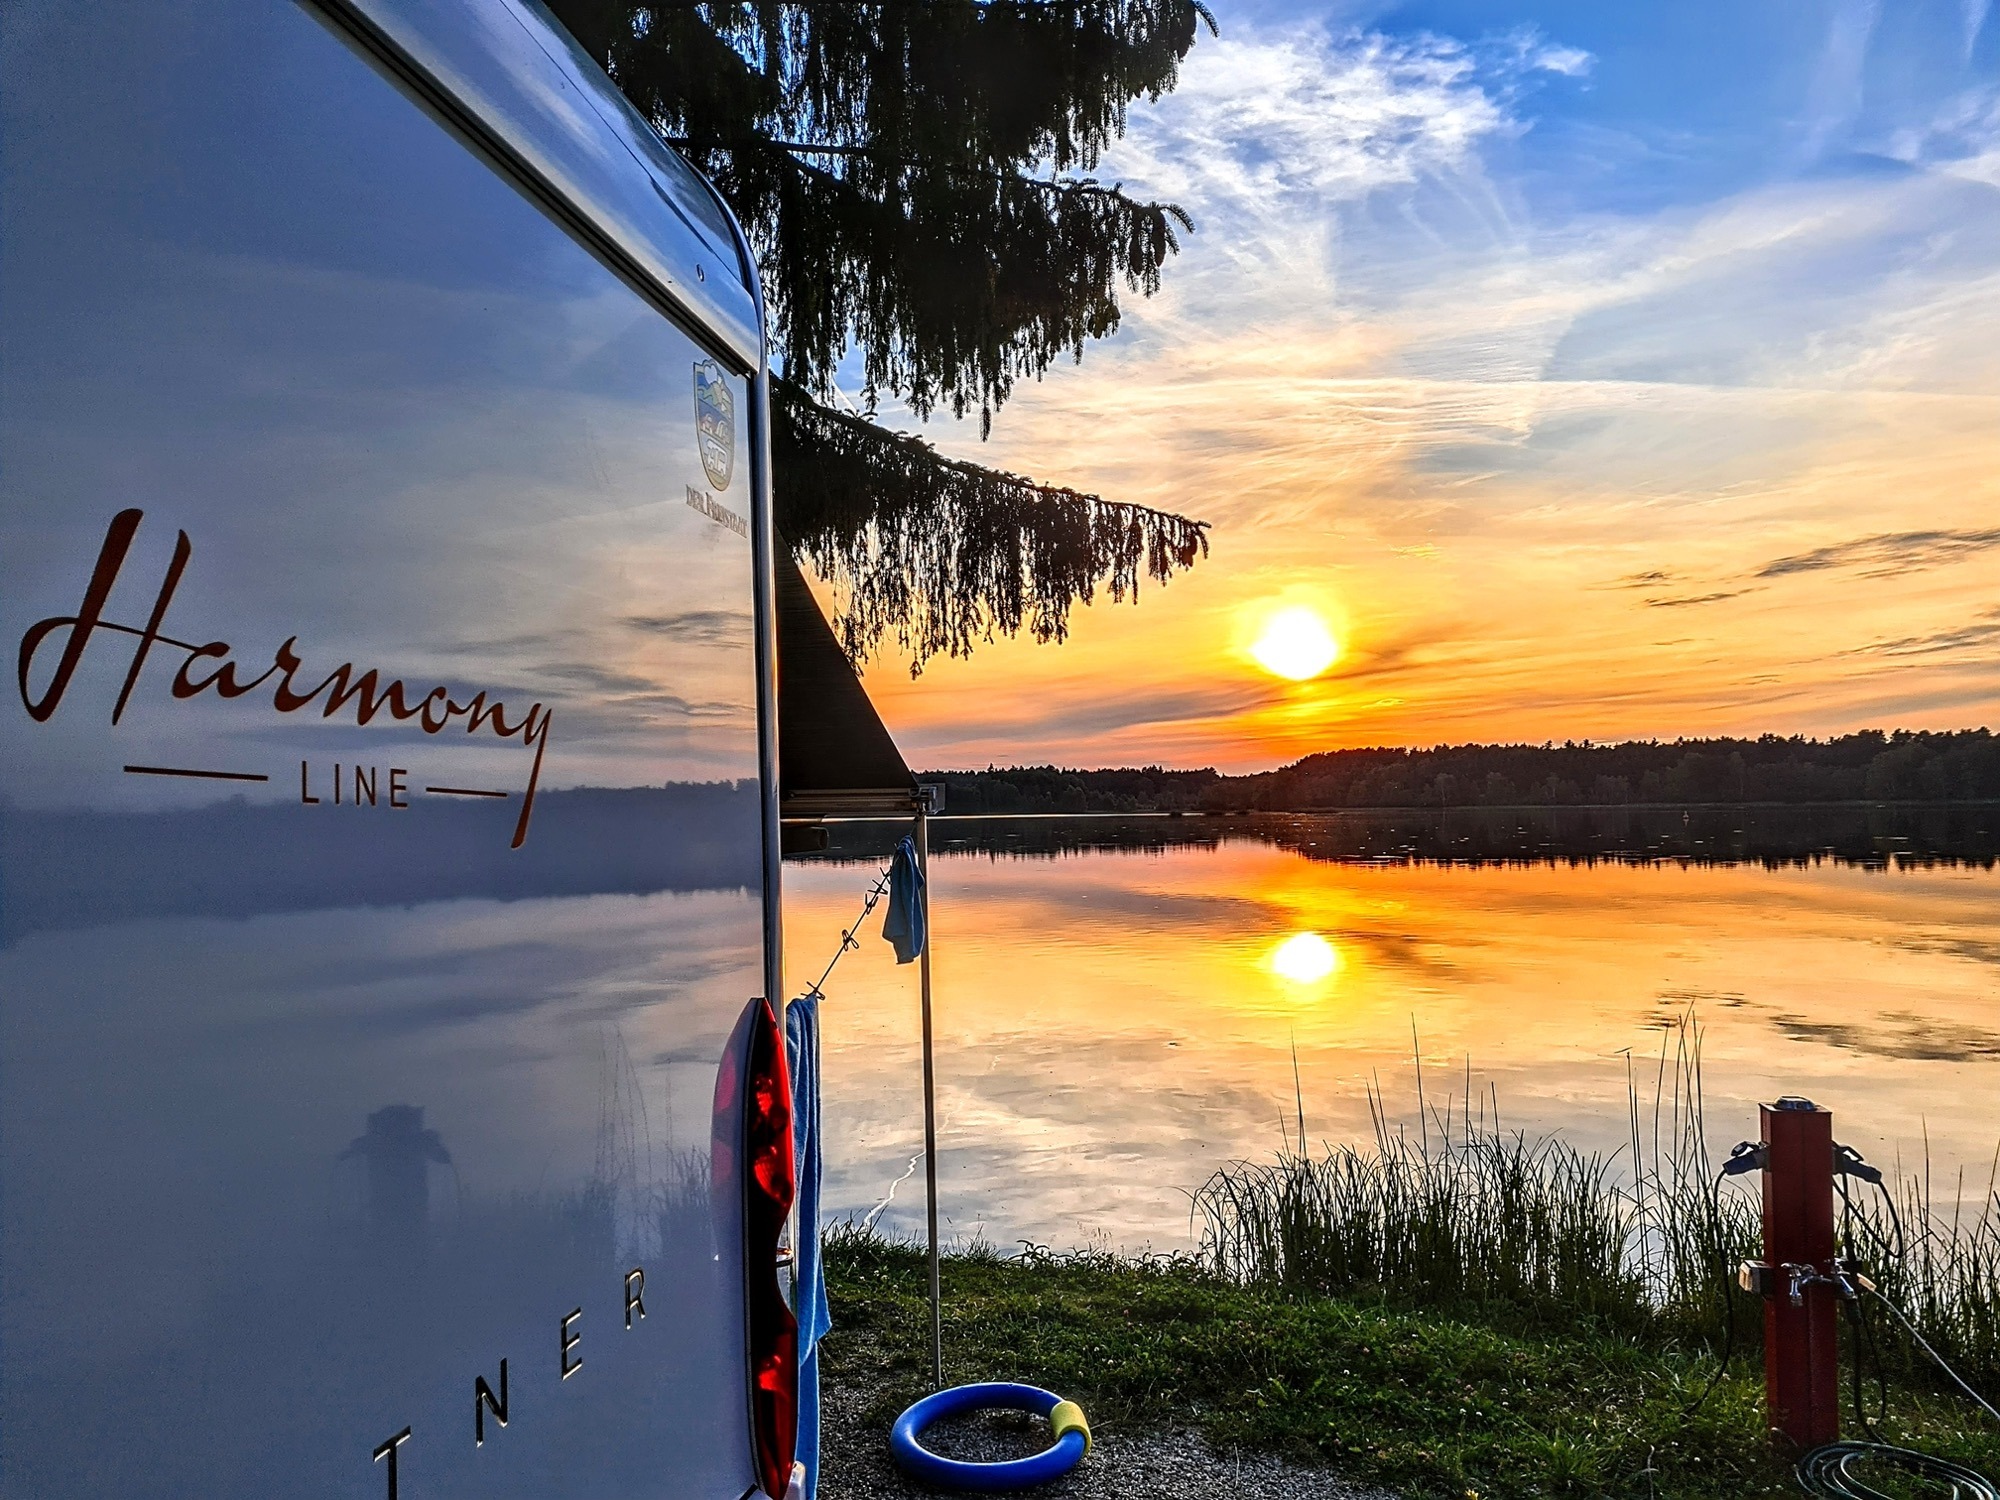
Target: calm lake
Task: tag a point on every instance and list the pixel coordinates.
(1121, 1002)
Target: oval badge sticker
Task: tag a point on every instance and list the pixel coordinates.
(714, 422)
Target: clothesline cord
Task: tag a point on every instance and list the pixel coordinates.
(847, 938)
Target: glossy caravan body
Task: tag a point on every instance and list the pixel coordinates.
(388, 826)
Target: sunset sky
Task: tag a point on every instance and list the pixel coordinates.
(1592, 371)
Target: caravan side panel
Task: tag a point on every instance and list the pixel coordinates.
(379, 831)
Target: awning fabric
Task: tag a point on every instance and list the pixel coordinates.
(835, 757)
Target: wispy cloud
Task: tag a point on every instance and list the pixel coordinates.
(1684, 600)
(1981, 633)
(1538, 54)
(1974, 13)
(1067, 718)
(1277, 136)
(1266, 123)
(1505, 450)
(696, 627)
(1960, 136)
(1835, 97)
(1887, 555)
(1653, 579)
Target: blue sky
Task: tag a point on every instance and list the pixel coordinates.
(1532, 345)
(1673, 104)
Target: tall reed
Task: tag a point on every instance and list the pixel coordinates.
(1461, 1213)
(1938, 1260)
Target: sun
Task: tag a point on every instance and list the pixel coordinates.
(1296, 644)
(1305, 958)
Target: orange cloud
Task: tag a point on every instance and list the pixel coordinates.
(1712, 473)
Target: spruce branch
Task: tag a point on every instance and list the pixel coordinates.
(1085, 186)
(948, 553)
(915, 180)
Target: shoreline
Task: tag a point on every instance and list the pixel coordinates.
(1347, 1398)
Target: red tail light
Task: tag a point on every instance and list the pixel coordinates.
(767, 1191)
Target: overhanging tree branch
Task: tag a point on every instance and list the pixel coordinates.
(1081, 185)
(948, 553)
(914, 176)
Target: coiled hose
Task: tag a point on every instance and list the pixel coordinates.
(1828, 1473)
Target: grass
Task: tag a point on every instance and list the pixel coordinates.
(1427, 1404)
(1941, 1264)
(1456, 1311)
(1464, 1216)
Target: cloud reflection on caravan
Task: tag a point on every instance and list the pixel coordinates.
(388, 834)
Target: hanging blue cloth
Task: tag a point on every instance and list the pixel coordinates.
(907, 927)
(809, 1273)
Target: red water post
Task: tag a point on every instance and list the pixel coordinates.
(1801, 1348)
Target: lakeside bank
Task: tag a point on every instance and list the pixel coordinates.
(1471, 1405)
(1464, 1312)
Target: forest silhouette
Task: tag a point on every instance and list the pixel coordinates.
(1871, 765)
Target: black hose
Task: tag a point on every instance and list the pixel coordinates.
(1937, 1358)
(1873, 1353)
(1828, 1473)
(1895, 1221)
(1861, 1340)
(1728, 1287)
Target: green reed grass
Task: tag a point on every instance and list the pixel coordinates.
(1936, 1257)
(1461, 1214)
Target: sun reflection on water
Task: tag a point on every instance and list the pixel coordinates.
(1305, 958)
(1111, 1027)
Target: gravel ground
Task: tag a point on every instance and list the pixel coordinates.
(855, 1463)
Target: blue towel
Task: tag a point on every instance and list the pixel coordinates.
(809, 1275)
(907, 927)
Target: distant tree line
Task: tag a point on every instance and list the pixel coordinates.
(1869, 766)
(1873, 835)
(1046, 789)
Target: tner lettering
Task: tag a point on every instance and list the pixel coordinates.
(216, 667)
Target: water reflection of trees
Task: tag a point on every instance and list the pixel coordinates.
(1880, 837)
(1054, 837)
(239, 858)
(1871, 837)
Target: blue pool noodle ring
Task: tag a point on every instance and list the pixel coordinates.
(914, 1459)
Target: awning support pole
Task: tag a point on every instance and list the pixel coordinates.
(930, 1101)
